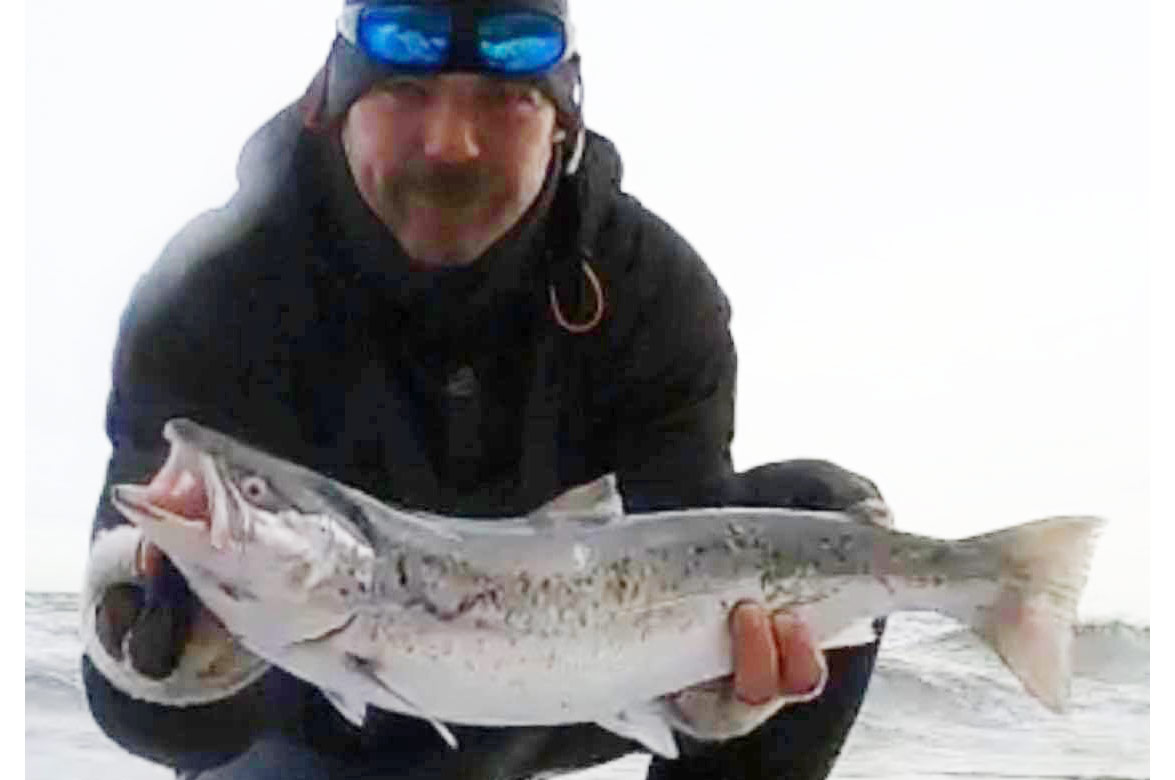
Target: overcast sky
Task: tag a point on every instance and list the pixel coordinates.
(930, 217)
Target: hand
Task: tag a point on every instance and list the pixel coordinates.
(774, 655)
(776, 663)
(155, 619)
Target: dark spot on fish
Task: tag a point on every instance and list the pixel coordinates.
(359, 662)
(343, 592)
(235, 593)
(402, 572)
(938, 579)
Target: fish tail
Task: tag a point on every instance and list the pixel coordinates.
(1043, 568)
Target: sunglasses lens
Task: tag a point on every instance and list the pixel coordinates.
(521, 41)
(405, 36)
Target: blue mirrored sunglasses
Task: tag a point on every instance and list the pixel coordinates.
(429, 38)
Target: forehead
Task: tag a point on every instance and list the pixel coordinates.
(461, 80)
(463, 84)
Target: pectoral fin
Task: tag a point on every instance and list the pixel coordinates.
(646, 724)
(365, 668)
(353, 711)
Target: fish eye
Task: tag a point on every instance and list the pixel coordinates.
(254, 488)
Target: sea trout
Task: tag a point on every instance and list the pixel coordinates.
(578, 612)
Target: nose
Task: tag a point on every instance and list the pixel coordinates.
(450, 131)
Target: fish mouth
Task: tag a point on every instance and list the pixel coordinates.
(133, 502)
(177, 494)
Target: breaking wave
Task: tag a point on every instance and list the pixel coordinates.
(939, 700)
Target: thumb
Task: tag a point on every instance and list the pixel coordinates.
(149, 560)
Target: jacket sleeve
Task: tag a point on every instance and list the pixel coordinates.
(171, 359)
(667, 407)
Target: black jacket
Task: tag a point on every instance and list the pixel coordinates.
(289, 319)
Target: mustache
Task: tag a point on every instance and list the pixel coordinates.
(447, 184)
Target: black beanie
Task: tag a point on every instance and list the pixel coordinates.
(349, 72)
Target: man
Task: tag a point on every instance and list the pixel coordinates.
(430, 286)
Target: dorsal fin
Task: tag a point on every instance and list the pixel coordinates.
(593, 503)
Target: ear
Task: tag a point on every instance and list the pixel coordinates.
(312, 104)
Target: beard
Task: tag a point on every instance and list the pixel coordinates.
(444, 214)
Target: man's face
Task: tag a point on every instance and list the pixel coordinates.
(449, 162)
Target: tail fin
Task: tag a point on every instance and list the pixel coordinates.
(1043, 569)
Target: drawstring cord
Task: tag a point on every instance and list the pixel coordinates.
(597, 315)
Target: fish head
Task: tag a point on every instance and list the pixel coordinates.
(271, 554)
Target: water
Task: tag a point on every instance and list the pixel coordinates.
(941, 707)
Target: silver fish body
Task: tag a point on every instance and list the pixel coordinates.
(574, 614)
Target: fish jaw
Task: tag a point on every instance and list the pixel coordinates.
(174, 533)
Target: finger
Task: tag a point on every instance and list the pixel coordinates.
(148, 560)
(800, 670)
(756, 658)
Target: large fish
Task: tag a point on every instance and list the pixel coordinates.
(572, 615)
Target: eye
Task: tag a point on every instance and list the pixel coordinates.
(255, 489)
